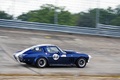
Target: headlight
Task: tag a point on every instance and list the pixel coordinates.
(89, 56)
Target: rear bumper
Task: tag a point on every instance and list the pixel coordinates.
(16, 58)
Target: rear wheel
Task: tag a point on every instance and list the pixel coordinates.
(81, 62)
(41, 62)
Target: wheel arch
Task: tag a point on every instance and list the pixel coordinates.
(35, 60)
(86, 58)
(83, 63)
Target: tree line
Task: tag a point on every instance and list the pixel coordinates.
(46, 14)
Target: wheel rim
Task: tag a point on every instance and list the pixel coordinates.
(42, 62)
(81, 62)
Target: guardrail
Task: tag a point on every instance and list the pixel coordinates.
(61, 28)
(109, 30)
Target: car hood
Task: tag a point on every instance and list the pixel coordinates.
(71, 52)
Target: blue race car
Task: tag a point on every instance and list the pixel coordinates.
(48, 54)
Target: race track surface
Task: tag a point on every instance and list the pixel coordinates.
(105, 52)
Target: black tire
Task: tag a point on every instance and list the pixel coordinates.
(41, 63)
(81, 62)
(28, 63)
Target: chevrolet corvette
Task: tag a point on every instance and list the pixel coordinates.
(48, 55)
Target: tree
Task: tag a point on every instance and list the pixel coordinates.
(106, 16)
(46, 15)
(64, 18)
(88, 19)
(117, 10)
(4, 15)
(74, 19)
(116, 21)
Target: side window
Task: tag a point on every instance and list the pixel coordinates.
(52, 49)
(37, 49)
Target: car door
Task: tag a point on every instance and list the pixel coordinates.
(55, 56)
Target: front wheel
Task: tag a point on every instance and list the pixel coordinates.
(41, 62)
(81, 62)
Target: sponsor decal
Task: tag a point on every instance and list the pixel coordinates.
(55, 56)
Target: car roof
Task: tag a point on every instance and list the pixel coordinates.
(41, 45)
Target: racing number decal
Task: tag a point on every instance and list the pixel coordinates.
(55, 56)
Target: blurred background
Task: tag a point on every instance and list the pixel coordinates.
(82, 13)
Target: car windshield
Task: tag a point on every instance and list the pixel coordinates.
(52, 49)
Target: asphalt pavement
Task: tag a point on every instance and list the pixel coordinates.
(105, 52)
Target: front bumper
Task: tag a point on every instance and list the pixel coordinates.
(89, 58)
